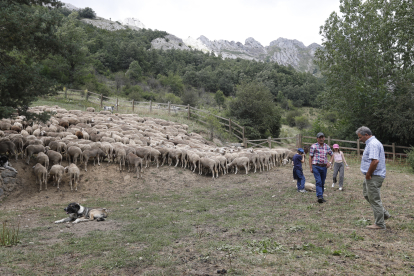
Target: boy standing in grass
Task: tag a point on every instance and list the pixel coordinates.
(298, 159)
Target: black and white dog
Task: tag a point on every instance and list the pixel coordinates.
(78, 213)
(109, 108)
(4, 162)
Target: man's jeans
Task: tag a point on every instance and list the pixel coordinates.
(320, 175)
(301, 180)
(371, 191)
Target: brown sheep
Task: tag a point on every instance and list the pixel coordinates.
(136, 162)
(64, 124)
(16, 128)
(79, 134)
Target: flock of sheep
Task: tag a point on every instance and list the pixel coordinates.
(122, 139)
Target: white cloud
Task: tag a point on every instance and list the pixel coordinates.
(264, 20)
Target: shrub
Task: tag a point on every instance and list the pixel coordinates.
(87, 13)
(290, 117)
(410, 157)
(302, 122)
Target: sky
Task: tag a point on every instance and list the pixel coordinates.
(232, 20)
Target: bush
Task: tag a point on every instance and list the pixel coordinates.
(170, 97)
(190, 96)
(87, 13)
(302, 122)
(410, 157)
(290, 117)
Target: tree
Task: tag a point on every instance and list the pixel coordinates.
(135, 71)
(87, 13)
(27, 37)
(367, 58)
(220, 98)
(255, 110)
(73, 47)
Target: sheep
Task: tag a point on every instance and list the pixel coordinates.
(43, 159)
(8, 147)
(90, 109)
(136, 162)
(16, 128)
(79, 134)
(57, 172)
(144, 153)
(120, 157)
(239, 162)
(74, 174)
(33, 149)
(64, 124)
(310, 187)
(41, 175)
(54, 156)
(73, 152)
(95, 153)
(210, 164)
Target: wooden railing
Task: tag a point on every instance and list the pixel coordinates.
(394, 152)
(192, 113)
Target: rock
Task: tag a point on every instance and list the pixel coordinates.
(283, 51)
(9, 180)
(1, 192)
(8, 173)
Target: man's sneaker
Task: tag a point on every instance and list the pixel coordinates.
(303, 191)
(320, 200)
(323, 200)
(386, 216)
(340, 188)
(333, 185)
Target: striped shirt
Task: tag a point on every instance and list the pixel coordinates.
(319, 153)
(373, 150)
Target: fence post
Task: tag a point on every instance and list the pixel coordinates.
(150, 106)
(329, 140)
(269, 141)
(66, 92)
(243, 134)
(188, 106)
(393, 152)
(297, 140)
(230, 126)
(169, 106)
(101, 100)
(245, 143)
(300, 141)
(358, 147)
(133, 105)
(86, 94)
(116, 104)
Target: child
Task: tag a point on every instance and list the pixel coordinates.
(339, 158)
(298, 159)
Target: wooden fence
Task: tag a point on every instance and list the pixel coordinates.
(233, 128)
(192, 113)
(391, 151)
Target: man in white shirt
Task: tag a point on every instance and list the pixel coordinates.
(373, 167)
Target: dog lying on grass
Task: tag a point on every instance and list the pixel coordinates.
(78, 213)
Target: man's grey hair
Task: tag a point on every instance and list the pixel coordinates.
(363, 130)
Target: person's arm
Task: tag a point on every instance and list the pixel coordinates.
(343, 158)
(371, 169)
(330, 162)
(310, 164)
(303, 158)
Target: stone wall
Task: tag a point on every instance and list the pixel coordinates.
(8, 182)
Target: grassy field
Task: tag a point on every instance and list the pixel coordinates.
(174, 222)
